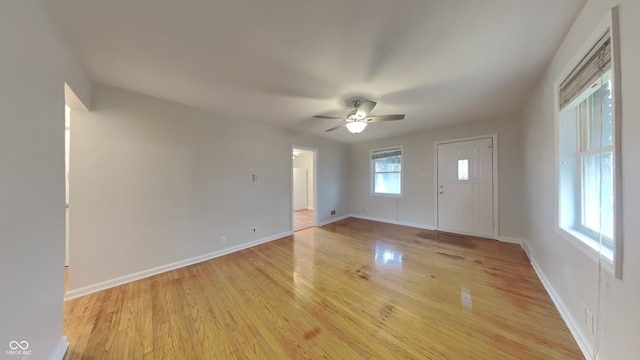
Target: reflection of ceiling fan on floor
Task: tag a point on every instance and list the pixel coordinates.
(357, 119)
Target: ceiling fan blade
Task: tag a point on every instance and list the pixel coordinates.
(335, 127)
(385, 118)
(328, 117)
(366, 107)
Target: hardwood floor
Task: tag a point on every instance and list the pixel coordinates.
(354, 289)
(302, 219)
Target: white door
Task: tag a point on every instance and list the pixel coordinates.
(465, 187)
(299, 189)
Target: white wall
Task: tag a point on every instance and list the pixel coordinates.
(416, 207)
(34, 65)
(155, 182)
(571, 274)
(305, 161)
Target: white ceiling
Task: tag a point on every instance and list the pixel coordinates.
(283, 61)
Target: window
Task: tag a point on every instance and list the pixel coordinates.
(463, 170)
(587, 151)
(386, 169)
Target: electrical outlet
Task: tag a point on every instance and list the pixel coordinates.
(223, 239)
(333, 212)
(588, 320)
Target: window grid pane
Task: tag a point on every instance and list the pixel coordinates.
(387, 171)
(387, 183)
(597, 193)
(388, 164)
(596, 119)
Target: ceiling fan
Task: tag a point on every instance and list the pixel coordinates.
(357, 119)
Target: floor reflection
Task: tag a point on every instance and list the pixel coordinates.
(465, 299)
(388, 256)
(303, 266)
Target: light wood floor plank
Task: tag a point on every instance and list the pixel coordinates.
(302, 219)
(354, 289)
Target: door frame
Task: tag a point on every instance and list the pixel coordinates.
(315, 183)
(496, 222)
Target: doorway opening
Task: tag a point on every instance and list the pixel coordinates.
(71, 103)
(303, 188)
(466, 186)
(67, 147)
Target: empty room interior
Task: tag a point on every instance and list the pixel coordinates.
(320, 180)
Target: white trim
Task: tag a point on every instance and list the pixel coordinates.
(72, 100)
(458, 232)
(61, 349)
(496, 212)
(430, 227)
(403, 223)
(327, 222)
(525, 247)
(103, 285)
(583, 343)
(510, 240)
(315, 182)
(618, 252)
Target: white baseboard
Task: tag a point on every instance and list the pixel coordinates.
(429, 227)
(327, 222)
(61, 349)
(510, 240)
(403, 223)
(583, 343)
(86, 290)
(525, 247)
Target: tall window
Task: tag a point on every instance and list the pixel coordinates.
(588, 195)
(386, 169)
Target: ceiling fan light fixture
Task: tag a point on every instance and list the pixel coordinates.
(356, 127)
(358, 118)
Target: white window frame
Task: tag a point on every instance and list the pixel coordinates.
(589, 245)
(372, 173)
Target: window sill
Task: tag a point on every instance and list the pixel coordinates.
(386, 195)
(589, 246)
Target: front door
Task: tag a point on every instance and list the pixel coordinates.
(465, 187)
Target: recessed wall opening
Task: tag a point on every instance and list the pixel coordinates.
(303, 188)
(71, 104)
(67, 146)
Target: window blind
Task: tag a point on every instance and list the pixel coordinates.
(381, 154)
(591, 67)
